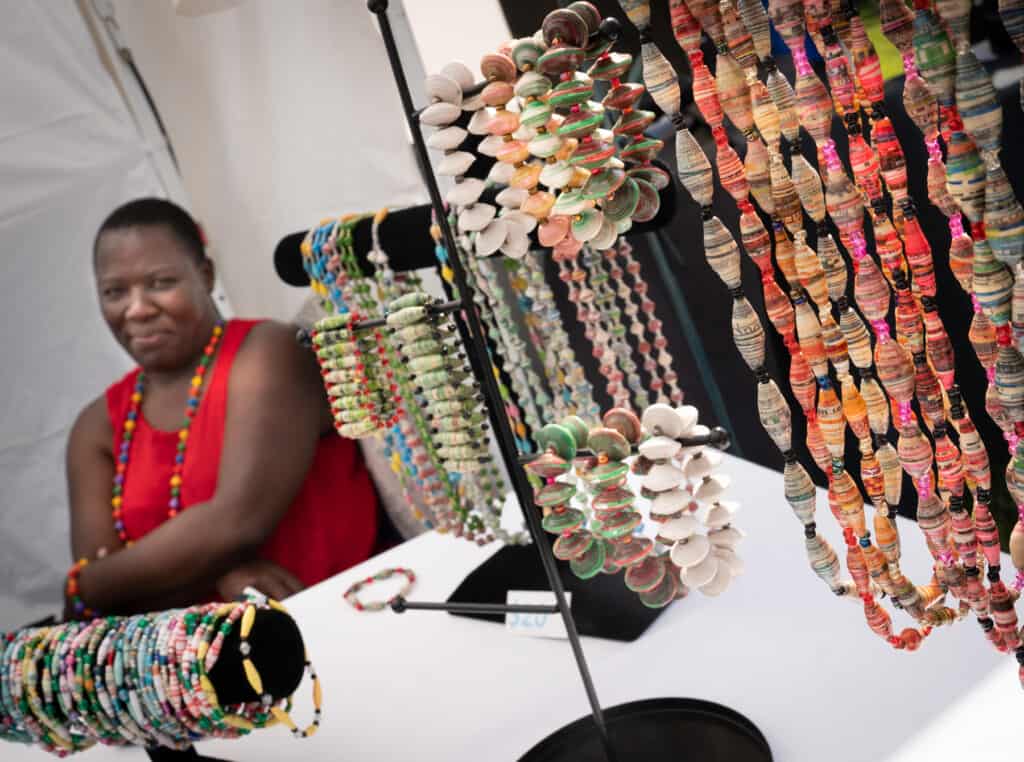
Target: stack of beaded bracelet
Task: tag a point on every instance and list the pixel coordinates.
(141, 680)
(676, 480)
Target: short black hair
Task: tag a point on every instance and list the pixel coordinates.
(151, 212)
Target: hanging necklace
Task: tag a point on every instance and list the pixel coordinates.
(195, 391)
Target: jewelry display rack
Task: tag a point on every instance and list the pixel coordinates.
(637, 724)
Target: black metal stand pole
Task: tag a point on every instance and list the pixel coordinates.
(477, 348)
(400, 605)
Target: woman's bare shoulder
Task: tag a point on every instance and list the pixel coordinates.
(92, 428)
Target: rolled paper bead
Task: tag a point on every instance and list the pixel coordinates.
(892, 164)
(996, 411)
(737, 37)
(808, 331)
(807, 183)
(1017, 305)
(961, 259)
(892, 472)
(776, 419)
(766, 114)
(817, 448)
(1017, 546)
(848, 505)
(809, 271)
(755, 165)
(987, 533)
(977, 103)
(1004, 218)
(831, 421)
(865, 167)
(835, 344)
(755, 19)
(855, 410)
(866, 62)
(834, 266)
(707, 15)
(949, 463)
(982, 335)
(897, 24)
(933, 520)
(788, 18)
(1010, 381)
(813, 105)
(938, 187)
(919, 255)
(685, 27)
(779, 308)
(638, 11)
(895, 370)
(721, 252)
(993, 284)
(705, 92)
(748, 333)
(871, 291)
(694, 168)
(754, 238)
(733, 94)
(1012, 14)
(858, 341)
(956, 14)
(784, 195)
(785, 101)
(799, 491)
(936, 59)
(802, 383)
(840, 78)
(929, 394)
(785, 254)
(939, 348)
(907, 320)
(660, 78)
(965, 175)
(920, 105)
(843, 202)
(823, 560)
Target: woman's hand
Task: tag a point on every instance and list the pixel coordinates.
(267, 577)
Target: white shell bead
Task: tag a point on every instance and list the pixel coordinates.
(518, 221)
(459, 72)
(702, 573)
(711, 488)
(729, 537)
(440, 114)
(606, 236)
(662, 478)
(659, 448)
(478, 122)
(660, 419)
(718, 585)
(501, 173)
(447, 139)
(669, 503)
(443, 88)
(491, 238)
(691, 551)
(476, 217)
(455, 164)
(679, 529)
(490, 145)
(466, 192)
(688, 416)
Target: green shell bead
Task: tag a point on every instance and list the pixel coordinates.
(579, 429)
(645, 575)
(572, 92)
(534, 114)
(623, 97)
(604, 183)
(568, 203)
(592, 155)
(559, 521)
(620, 524)
(581, 123)
(556, 493)
(614, 66)
(599, 45)
(625, 423)
(662, 594)
(548, 465)
(557, 439)
(642, 149)
(656, 176)
(557, 61)
(606, 476)
(532, 85)
(624, 202)
(566, 27)
(589, 563)
(525, 53)
(633, 122)
(609, 441)
(614, 499)
(570, 546)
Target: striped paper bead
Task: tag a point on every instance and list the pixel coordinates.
(739, 40)
(936, 59)
(965, 175)
(785, 101)
(694, 168)
(755, 19)
(721, 252)
(733, 94)
(755, 164)
(858, 340)
(660, 78)
(1012, 14)
(748, 333)
(993, 283)
(766, 114)
(784, 195)
(807, 183)
(684, 26)
(977, 103)
(776, 419)
(1004, 218)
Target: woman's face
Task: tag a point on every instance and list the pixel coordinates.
(154, 295)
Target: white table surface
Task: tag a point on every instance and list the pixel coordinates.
(776, 646)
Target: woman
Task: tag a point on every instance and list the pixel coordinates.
(213, 465)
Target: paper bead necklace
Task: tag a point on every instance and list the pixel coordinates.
(676, 490)
(128, 427)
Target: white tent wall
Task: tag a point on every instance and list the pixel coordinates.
(69, 153)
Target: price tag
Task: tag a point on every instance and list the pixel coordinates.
(535, 625)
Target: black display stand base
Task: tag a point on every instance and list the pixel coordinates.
(602, 606)
(657, 730)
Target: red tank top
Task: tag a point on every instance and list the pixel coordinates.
(330, 526)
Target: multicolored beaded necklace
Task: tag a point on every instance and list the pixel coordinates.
(195, 393)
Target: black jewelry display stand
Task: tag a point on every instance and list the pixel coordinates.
(653, 730)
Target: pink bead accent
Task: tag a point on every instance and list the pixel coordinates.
(831, 156)
(956, 224)
(976, 304)
(924, 484)
(803, 68)
(1018, 585)
(991, 373)
(934, 152)
(906, 415)
(946, 557)
(881, 329)
(909, 67)
(860, 249)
